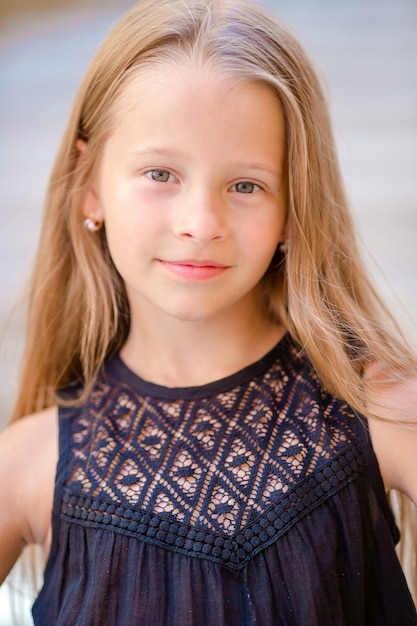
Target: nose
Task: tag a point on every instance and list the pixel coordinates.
(200, 215)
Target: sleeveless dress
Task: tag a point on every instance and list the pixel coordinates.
(254, 500)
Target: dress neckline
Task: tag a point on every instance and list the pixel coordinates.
(117, 369)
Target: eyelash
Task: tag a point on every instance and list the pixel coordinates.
(158, 171)
(254, 186)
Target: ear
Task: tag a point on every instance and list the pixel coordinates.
(91, 205)
(285, 235)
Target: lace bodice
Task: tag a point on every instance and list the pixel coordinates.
(215, 457)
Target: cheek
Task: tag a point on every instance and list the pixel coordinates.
(130, 207)
(132, 238)
(264, 238)
(124, 214)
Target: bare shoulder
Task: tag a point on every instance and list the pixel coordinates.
(394, 438)
(28, 458)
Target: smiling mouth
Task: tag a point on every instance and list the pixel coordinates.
(195, 269)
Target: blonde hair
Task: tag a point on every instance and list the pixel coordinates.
(79, 312)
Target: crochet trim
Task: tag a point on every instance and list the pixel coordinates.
(231, 551)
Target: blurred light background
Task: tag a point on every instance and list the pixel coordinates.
(366, 51)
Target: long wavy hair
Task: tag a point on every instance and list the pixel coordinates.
(78, 308)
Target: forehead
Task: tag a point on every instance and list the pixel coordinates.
(173, 87)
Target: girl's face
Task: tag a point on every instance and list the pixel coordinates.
(192, 191)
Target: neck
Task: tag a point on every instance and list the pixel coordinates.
(192, 353)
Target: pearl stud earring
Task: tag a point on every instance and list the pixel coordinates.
(92, 225)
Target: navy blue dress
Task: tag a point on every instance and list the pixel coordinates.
(254, 500)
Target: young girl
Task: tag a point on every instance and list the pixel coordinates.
(218, 398)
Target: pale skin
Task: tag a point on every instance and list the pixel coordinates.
(194, 207)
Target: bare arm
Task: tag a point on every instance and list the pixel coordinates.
(28, 457)
(395, 445)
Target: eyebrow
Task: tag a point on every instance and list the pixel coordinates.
(261, 167)
(166, 152)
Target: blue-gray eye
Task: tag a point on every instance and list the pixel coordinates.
(160, 176)
(245, 187)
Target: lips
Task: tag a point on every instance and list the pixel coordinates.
(195, 269)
